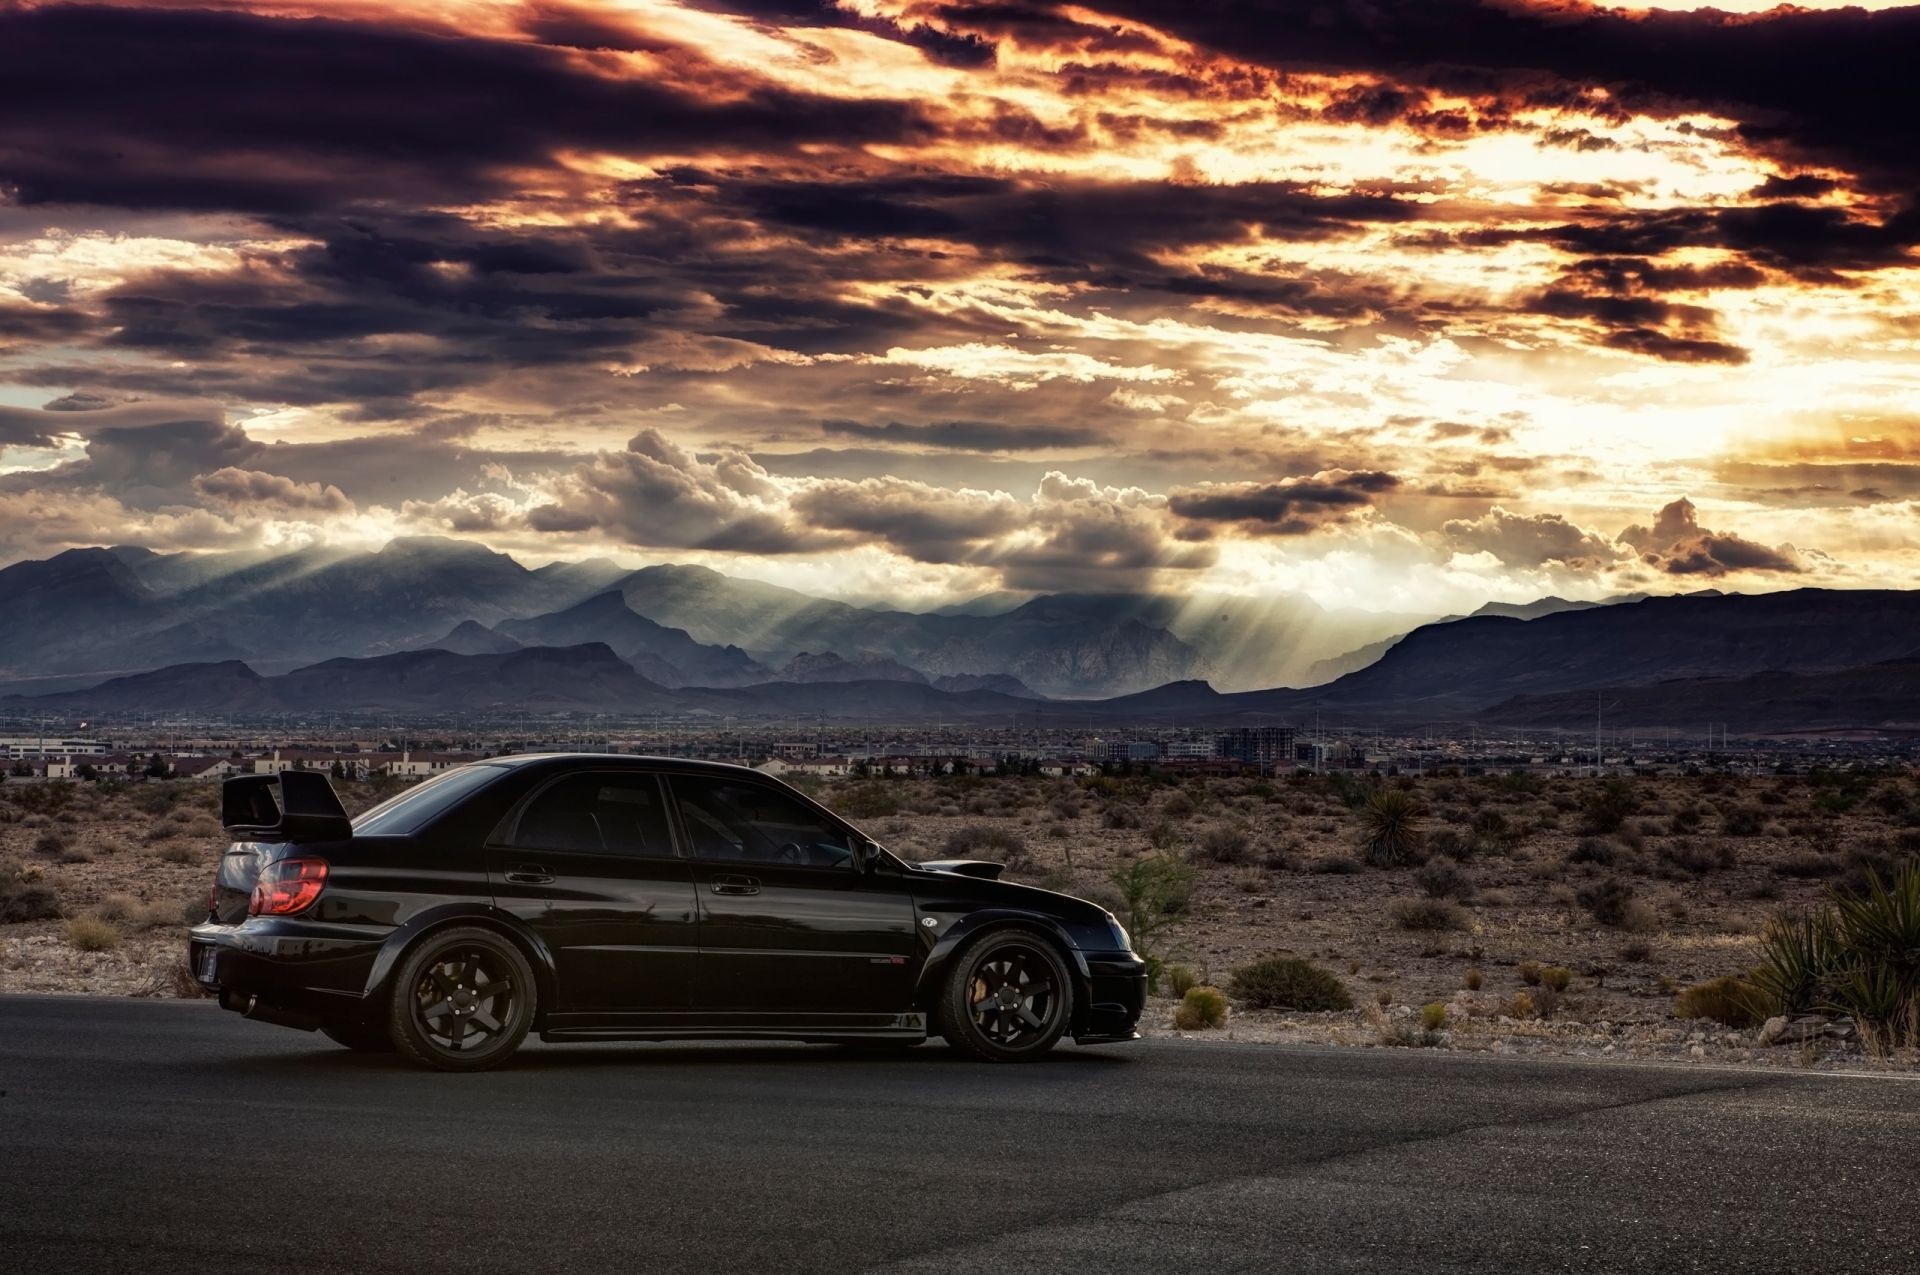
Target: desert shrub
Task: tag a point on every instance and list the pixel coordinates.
(1595, 850)
(1637, 951)
(1390, 828)
(1810, 864)
(1556, 978)
(177, 852)
(867, 800)
(51, 843)
(1178, 806)
(1287, 982)
(1492, 831)
(1607, 806)
(1430, 914)
(1529, 972)
(1450, 843)
(1155, 892)
(1119, 818)
(1545, 1000)
(1433, 1015)
(1687, 819)
(1225, 843)
(1200, 1009)
(1444, 881)
(1179, 979)
(1742, 821)
(92, 934)
(1473, 979)
(1521, 1006)
(1696, 858)
(978, 839)
(1607, 901)
(1338, 865)
(23, 897)
(1728, 1000)
(118, 908)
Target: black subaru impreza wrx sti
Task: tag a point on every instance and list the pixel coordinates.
(587, 897)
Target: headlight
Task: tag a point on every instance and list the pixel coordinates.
(1120, 938)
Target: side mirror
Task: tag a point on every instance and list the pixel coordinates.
(866, 855)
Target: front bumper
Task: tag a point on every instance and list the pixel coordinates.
(1117, 982)
(302, 967)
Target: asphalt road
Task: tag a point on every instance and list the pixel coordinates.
(158, 1136)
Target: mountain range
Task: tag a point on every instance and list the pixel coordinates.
(114, 610)
(449, 627)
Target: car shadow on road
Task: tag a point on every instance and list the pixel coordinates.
(683, 1055)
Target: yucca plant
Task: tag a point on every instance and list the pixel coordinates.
(1390, 828)
(1858, 954)
(1797, 955)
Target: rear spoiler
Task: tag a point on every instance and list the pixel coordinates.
(307, 808)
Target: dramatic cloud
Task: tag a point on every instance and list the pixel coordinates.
(1677, 544)
(251, 487)
(943, 297)
(1293, 507)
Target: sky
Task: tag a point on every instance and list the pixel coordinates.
(1396, 304)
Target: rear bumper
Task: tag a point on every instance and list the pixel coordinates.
(299, 967)
(1117, 984)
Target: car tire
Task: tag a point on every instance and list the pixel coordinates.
(445, 1011)
(365, 1038)
(1008, 998)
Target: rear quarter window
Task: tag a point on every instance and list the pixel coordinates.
(410, 811)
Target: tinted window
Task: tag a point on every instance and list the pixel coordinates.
(415, 808)
(597, 814)
(752, 823)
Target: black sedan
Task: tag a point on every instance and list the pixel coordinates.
(588, 897)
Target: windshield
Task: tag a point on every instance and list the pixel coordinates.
(413, 809)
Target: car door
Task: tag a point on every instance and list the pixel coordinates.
(588, 863)
(791, 928)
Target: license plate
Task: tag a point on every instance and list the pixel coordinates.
(208, 957)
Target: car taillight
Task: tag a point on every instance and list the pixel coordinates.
(287, 887)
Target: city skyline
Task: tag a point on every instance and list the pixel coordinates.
(1405, 308)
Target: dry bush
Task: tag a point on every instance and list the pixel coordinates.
(182, 852)
(1556, 978)
(24, 897)
(1606, 900)
(1529, 972)
(92, 934)
(1728, 1000)
(1336, 865)
(1226, 844)
(1430, 914)
(1201, 1009)
(1444, 881)
(1473, 979)
(1287, 982)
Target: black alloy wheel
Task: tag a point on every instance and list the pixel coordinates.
(1008, 998)
(463, 1000)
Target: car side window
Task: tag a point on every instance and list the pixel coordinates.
(748, 822)
(602, 813)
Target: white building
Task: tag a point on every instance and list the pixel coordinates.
(15, 747)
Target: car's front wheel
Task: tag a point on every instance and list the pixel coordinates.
(1008, 998)
(462, 1000)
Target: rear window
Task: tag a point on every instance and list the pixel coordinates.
(414, 809)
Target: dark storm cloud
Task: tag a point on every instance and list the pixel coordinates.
(225, 111)
(1292, 508)
(971, 436)
(1824, 84)
(1677, 544)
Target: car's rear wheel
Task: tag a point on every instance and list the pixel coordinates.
(366, 1038)
(1008, 998)
(462, 1001)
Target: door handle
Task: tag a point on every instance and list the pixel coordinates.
(528, 874)
(735, 885)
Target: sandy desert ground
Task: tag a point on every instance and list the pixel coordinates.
(1625, 891)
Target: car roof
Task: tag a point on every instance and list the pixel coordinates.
(689, 765)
